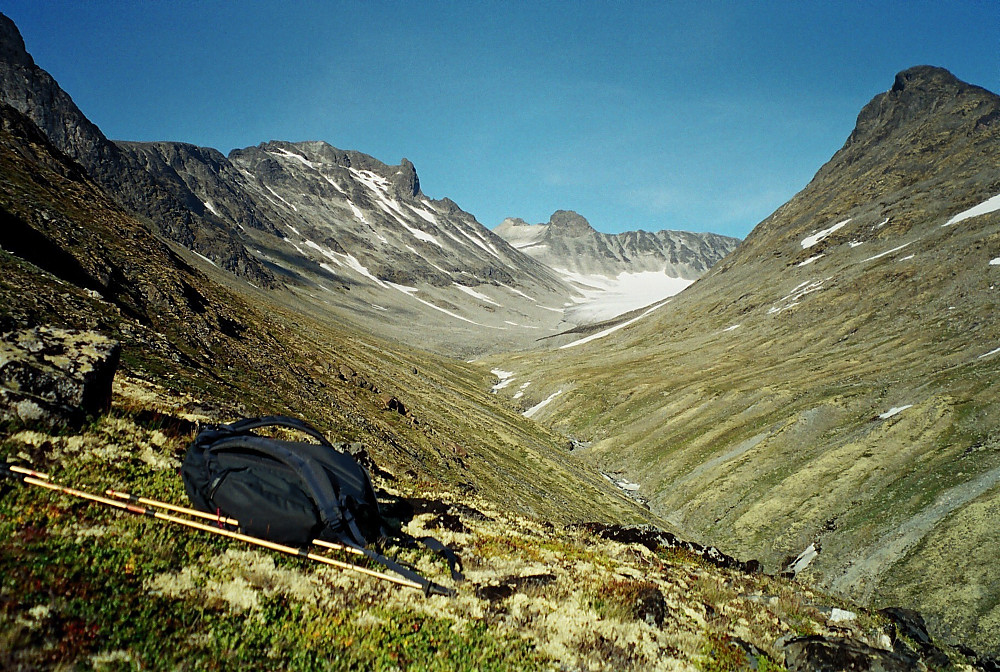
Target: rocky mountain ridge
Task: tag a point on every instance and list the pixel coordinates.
(569, 242)
(33, 92)
(830, 382)
(349, 234)
(615, 273)
(336, 233)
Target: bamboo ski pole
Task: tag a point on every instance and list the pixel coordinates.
(208, 516)
(337, 547)
(27, 472)
(172, 507)
(144, 511)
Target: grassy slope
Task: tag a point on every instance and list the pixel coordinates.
(83, 586)
(766, 437)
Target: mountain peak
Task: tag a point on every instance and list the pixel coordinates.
(12, 47)
(925, 78)
(405, 179)
(924, 102)
(569, 221)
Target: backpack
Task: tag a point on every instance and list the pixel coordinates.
(289, 492)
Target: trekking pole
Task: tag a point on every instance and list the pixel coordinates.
(152, 513)
(208, 516)
(27, 472)
(172, 507)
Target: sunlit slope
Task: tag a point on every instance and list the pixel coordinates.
(832, 380)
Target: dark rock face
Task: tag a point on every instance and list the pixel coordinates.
(55, 377)
(655, 539)
(507, 586)
(649, 606)
(404, 181)
(569, 222)
(33, 92)
(822, 654)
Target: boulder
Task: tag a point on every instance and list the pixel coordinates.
(55, 377)
(392, 403)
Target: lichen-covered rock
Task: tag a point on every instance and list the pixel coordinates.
(55, 377)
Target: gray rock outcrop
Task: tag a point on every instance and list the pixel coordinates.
(55, 377)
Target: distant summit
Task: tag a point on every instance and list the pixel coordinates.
(570, 243)
(633, 269)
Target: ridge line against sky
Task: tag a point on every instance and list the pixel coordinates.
(699, 116)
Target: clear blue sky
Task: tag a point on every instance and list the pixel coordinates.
(702, 116)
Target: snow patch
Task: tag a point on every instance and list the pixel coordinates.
(211, 208)
(426, 215)
(473, 293)
(732, 328)
(989, 205)
(412, 291)
(489, 249)
(520, 293)
(540, 405)
(811, 260)
(793, 299)
(887, 252)
(333, 184)
(420, 235)
(405, 289)
(995, 262)
(376, 183)
(357, 212)
(622, 483)
(603, 298)
(505, 377)
(202, 256)
(292, 155)
(895, 410)
(803, 560)
(611, 330)
(358, 267)
(280, 198)
(809, 241)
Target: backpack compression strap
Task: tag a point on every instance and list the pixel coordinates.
(333, 515)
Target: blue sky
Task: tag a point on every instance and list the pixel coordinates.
(701, 116)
